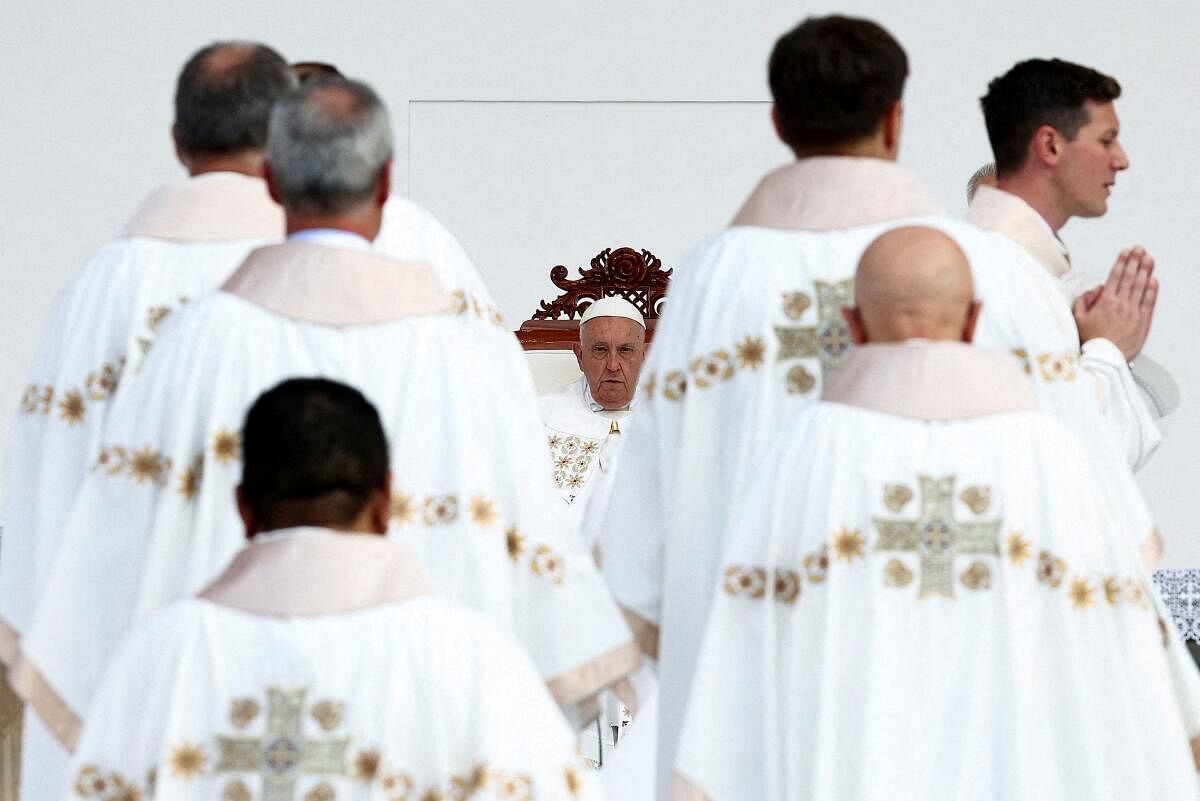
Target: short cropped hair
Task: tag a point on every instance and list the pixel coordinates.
(328, 145)
(224, 96)
(309, 442)
(1040, 92)
(833, 79)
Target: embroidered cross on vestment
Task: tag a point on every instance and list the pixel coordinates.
(828, 341)
(283, 754)
(937, 537)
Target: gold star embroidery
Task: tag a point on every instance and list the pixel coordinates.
(71, 408)
(148, 465)
(460, 301)
(515, 543)
(1023, 356)
(227, 446)
(553, 441)
(399, 783)
(402, 508)
(483, 512)
(1083, 595)
(650, 386)
(155, 315)
(848, 544)
(187, 760)
(707, 370)
(1054, 367)
(1018, 548)
(751, 352)
(574, 783)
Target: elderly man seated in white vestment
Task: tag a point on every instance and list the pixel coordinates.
(928, 590)
(319, 665)
(584, 419)
(1054, 133)
(472, 491)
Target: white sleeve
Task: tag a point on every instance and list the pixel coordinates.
(1121, 402)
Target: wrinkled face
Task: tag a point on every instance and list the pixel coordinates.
(610, 355)
(1090, 162)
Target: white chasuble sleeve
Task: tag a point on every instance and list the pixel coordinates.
(416, 700)
(100, 329)
(963, 605)
(156, 521)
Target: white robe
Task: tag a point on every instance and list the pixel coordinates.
(180, 244)
(470, 475)
(928, 592)
(582, 442)
(1135, 394)
(373, 689)
(752, 327)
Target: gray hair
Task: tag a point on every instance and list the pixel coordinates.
(986, 171)
(327, 146)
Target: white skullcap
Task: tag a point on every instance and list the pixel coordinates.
(613, 306)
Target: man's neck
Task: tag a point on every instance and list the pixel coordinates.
(364, 224)
(248, 162)
(871, 147)
(1035, 191)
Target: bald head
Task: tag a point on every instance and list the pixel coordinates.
(913, 283)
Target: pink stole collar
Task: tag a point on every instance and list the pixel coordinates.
(930, 381)
(1003, 212)
(825, 193)
(213, 207)
(316, 571)
(336, 286)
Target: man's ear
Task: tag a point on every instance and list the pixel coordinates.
(854, 321)
(1046, 146)
(776, 124)
(893, 122)
(968, 334)
(249, 521)
(269, 177)
(380, 505)
(384, 190)
(179, 154)
(578, 354)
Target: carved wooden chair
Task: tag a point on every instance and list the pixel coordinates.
(637, 276)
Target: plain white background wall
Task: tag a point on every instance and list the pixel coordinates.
(84, 120)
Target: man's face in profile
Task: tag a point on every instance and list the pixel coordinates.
(610, 354)
(1090, 163)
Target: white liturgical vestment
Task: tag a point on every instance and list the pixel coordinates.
(928, 591)
(583, 439)
(183, 242)
(1133, 397)
(155, 519)
(319, 667)
(752, 330)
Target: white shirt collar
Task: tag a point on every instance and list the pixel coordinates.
(332, 237)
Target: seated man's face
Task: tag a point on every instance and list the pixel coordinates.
(610, 355)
